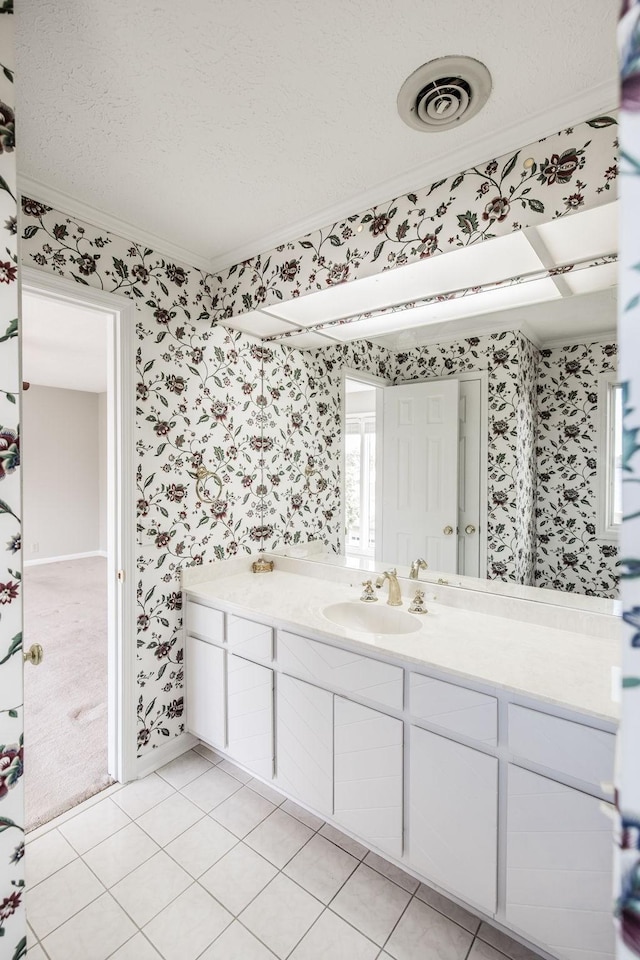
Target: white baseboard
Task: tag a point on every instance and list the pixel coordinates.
(68, 556)
(170, 750)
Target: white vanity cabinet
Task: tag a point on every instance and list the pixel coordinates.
(559, 867)
(453, 817)
(304, 752)
(250, 715)
(368, 774)
(205, 691)
(491, 796)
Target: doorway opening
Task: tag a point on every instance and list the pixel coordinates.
(77, 430)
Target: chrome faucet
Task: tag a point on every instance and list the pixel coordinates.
(416, 567)
(395, 597)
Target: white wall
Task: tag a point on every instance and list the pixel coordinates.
(361, 401)
(61, 472)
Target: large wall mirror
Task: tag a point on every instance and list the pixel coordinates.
(463, 409)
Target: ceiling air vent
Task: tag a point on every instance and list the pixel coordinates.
(443, 93)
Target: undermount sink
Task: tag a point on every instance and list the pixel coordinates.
(371, 618)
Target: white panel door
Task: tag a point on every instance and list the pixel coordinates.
(420, 474)
(250, 715)
(205, 691)
(559, 867)
(368, 788)
(304, 744)
(453, 817)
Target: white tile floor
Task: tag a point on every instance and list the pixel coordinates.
(200, 862)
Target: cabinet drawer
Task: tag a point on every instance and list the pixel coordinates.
(249, 639)
(205, 621)
(340, 669)
(454, 708)
(562, 745)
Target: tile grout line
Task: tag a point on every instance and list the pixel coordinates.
(471, 946)
(161, 849)
(67, 815)
(279, 870)
(315, 831)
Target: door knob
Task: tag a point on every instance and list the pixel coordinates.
(469, 528)
(35, 654)
(448, 531)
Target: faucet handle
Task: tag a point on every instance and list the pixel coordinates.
(368, 594)
(417, 604)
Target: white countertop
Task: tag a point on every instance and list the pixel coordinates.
(567, 669)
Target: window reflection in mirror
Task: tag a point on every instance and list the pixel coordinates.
(360, 469)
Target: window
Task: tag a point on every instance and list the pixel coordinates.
(610, 458)
(360, 484)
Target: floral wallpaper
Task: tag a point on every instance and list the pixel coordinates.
(303, 433)
(568, 554)
(571, 170)
(525, 472)
(628, 770)
(12, 916)
(199, 405)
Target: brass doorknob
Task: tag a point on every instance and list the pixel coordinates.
(35, 654)
(448, 531)
(469, 528)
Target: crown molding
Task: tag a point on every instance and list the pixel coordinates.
(569, 112)
(600, 337)
(65, 203)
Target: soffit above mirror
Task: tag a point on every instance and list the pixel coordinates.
(515, 281)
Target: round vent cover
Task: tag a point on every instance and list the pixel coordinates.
(444, 93)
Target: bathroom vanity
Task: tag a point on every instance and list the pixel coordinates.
(475, 751)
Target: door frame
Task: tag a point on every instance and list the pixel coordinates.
(349, 373)
(121, 613)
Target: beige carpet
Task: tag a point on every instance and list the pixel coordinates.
(65, 610)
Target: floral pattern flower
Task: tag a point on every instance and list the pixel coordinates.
(11, 766)
(9, 450)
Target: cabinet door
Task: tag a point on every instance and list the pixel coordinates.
(304, 746)
(453, 817)
(559, 867)
(368, 767)
(250, 715)
(205, 691)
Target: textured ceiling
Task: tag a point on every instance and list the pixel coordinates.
(217, 125)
